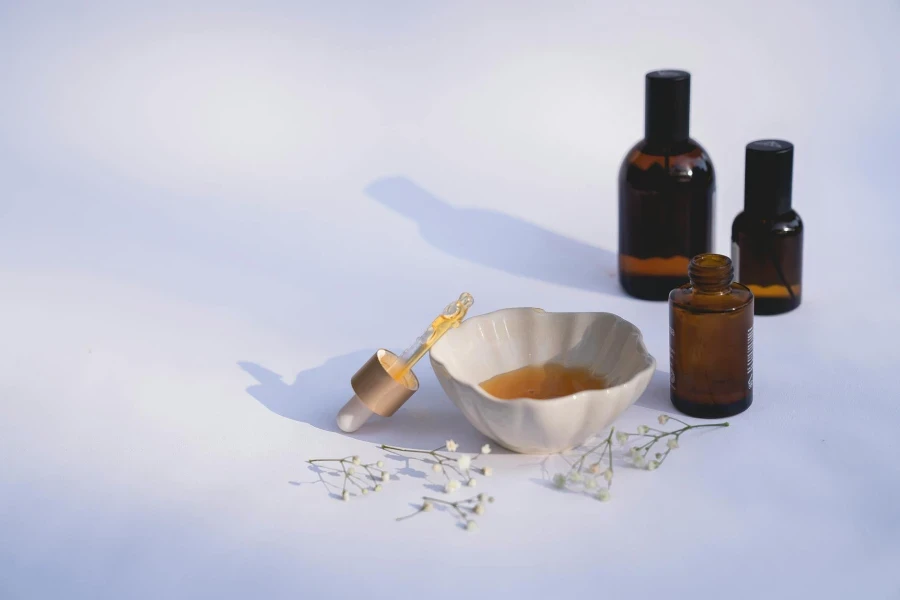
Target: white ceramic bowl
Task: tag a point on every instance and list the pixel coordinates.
(508, 339)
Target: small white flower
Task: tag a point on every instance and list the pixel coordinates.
(659, 455)
(378, 487)
(451, 445)
(608, 475)
(487, 471)
(365, 491)
(350, 470)
(464, 462)
(576, 477)
(380, 464)
(471, 526)
(590, 484)
(472, 482)
(635, 453)
(486, 449)
(622, 437)
(672, 444)
(594, 469)
(559, 480)
(479, 509)
(437, 468)
(451, 486)
(490, 499)
(385, 477)
(642, 429)
(427, 506)
(603, 496)
(663, 419)
(639, 462)
(482, 497)
(345, 495)
(355, 460)
(652, 466)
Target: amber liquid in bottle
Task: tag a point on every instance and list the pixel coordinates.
(767, 237)
(711, 341)
(666, 194)
(666, 201)
(768, 257)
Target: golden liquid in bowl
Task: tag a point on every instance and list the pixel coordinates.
(542, 382)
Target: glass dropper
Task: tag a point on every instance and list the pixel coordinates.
(356, 412)
(450, 318)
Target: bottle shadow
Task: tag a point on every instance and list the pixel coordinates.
(317, 394)
(500, 241)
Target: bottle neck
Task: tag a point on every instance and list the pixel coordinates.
(767, 207)
(655, 148)
(711, 273)
(665, 135)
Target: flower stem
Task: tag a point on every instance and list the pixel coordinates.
(454, 505)
(433, 453)
(396, 449)
(645, 448)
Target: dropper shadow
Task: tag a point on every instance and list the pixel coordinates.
(500, 241)
(317, 394)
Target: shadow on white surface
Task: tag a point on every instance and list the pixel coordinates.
(500, 241)
(426, 421)
(656, 396)
(332, 488)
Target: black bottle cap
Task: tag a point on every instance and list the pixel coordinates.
(667, 106)
(768, 171)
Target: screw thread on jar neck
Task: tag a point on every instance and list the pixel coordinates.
(711, 272)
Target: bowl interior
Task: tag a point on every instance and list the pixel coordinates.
(503, 341)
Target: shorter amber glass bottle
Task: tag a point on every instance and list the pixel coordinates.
(711, 341)
(767, 237)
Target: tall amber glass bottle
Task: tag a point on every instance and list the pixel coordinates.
(711, 341)
(767, 238)
(666, 193)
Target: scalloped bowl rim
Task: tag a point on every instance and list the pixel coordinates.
(641, 348)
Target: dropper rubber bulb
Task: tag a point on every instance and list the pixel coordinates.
(353, 415)
(355, 412)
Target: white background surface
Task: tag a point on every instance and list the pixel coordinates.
(212, 214)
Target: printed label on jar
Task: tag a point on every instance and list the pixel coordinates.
(750, 358)
(672, 357)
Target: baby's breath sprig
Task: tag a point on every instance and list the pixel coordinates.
(585, 473)
(465, 510)
(456, 471)
(374, 476)
(653, 435)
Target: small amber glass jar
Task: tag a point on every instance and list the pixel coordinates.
(711, 341)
